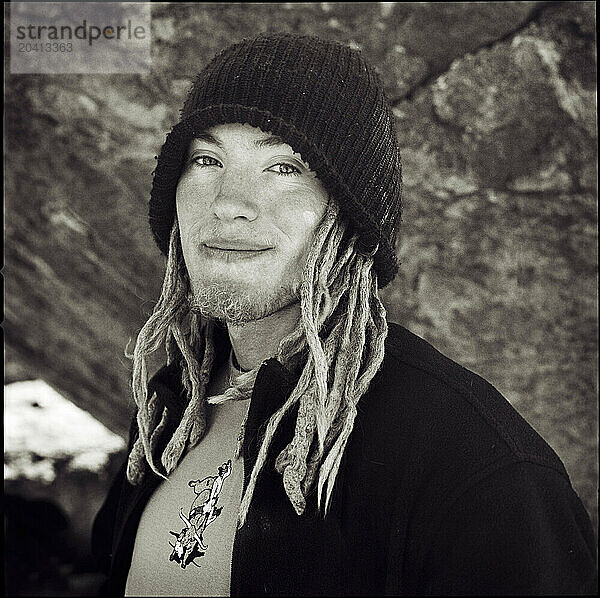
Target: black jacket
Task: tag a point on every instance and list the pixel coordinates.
(443, 489)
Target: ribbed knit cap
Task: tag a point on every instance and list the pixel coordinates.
(326, 102)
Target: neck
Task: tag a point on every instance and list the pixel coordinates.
(254, 342)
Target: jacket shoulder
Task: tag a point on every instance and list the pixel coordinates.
(453, 406)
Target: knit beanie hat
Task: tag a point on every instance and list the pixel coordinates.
(323, 99)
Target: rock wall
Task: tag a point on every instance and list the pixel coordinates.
(496, 114)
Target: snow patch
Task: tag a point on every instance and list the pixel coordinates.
(41, 426)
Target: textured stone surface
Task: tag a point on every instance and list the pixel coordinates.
(495, 107)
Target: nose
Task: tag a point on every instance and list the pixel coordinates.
(237, 197)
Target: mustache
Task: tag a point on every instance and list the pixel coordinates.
(236, 236)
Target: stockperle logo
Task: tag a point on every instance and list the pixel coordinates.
(80, 37)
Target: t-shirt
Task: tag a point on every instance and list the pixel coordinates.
(184, 541)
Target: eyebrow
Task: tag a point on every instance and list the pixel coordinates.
(269, 141)
(204, 136)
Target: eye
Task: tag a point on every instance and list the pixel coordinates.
(285, 169)
(204, 160)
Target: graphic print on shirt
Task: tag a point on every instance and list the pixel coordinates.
(189, 543)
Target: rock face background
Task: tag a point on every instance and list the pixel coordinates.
(496, 114)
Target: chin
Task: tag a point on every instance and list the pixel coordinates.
(239, 302)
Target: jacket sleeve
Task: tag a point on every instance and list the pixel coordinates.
(104, 522)
(522, 530)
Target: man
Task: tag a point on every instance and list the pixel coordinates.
(296, 443)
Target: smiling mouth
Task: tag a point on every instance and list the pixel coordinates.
(224, 248)
(233, 253)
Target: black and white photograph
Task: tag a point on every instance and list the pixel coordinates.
(300, 299)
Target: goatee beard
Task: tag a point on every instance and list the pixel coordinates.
(236, 306)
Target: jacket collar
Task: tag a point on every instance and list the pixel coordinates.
(272, 387)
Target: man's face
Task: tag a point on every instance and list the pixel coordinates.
(248, 207)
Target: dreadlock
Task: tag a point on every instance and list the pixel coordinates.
(338, 348)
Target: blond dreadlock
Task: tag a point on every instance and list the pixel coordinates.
(339, 348)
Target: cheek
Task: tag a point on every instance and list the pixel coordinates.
(190, 206)
(309, 221)
(310, 218)
(185, 196)
(181, 203)
(302, 230)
